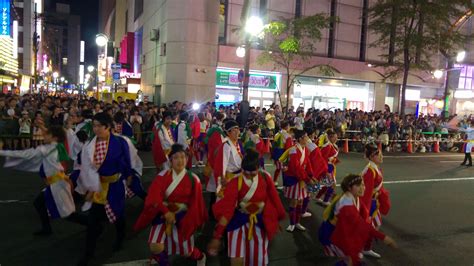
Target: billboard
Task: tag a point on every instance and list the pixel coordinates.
(5, 17)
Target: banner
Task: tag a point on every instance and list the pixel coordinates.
(5, 17)
(230, 78)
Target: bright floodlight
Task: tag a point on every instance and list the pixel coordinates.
(438, 73)
(460, 56)
(254, 25)
(101, 40)
(240, 52)
(55, 75)
(62, 79)
(196, 106)
(90, 68)
(66, 81)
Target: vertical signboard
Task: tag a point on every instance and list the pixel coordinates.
(5, 17)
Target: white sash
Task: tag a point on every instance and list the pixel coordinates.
(252, 189)
(177, 178)
(301, 149)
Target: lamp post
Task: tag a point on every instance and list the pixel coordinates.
(101, 40)
(253, 27)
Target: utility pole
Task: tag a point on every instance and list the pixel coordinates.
(35, 49)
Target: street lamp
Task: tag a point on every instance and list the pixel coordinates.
(90, 68)
(438, 73)
(460, 56)
(62, 79)
(253, 27)
(55, 75)
(240, 52)
(101, 40)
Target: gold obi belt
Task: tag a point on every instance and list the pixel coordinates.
(101, 197)
(175, 207)
(230, 175)
(56, 177)
(252, 209)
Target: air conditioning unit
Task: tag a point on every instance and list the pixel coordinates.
(155, 35)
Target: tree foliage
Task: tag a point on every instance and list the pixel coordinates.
(415, 32)
(290, 44)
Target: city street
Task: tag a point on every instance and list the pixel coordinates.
(432, 219)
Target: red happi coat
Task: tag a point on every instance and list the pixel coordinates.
(373, 180)
(273, 211)
(352, 231)
(188, 191)
(329, 152)
(214, 141)
(318, 162)
(302, 171)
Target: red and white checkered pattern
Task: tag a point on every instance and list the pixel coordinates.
(296, 192)
(129, 193)
(175, 243)
(254, 252)
(110, 213)
(100, 151)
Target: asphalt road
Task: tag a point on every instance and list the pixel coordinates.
(432, 219)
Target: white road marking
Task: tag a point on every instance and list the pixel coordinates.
(12, 201)
(428, 180)
(425, 156)
(449, 161)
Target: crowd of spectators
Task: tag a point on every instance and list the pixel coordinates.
(19, 115)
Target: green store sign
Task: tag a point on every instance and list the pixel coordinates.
(257, 81)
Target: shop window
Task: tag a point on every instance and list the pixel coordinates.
(465, 76)
(257, 94)
(223, 21)
(267, 94)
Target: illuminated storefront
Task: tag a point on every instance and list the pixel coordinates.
(263, 87)
(323, 93)
(8, 50)
(464, 95)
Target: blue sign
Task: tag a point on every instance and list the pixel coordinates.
(5, 17)
(116, 76)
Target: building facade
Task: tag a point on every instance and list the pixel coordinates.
(187, 52)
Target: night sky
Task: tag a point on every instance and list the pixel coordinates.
(88, 10)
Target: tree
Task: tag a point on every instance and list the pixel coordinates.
(290, 46)
(414, 32)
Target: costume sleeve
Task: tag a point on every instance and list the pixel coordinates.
(274, 210)
(307, 163)
(366, 199)
(164, 143)
(217, 163)
(226, 152)
(296, 168)
(159, 156)
(225, 207)
(288, 143)
(196, 215)
(25, 154)
(125, 161)
(153, 204)
(182, 135)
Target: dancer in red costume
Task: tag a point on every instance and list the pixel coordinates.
(298, 172)
(345, 230)
(175, 208)
(249, 213)
(375, 199)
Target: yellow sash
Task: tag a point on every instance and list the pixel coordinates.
(101, 197)
(56, 177)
